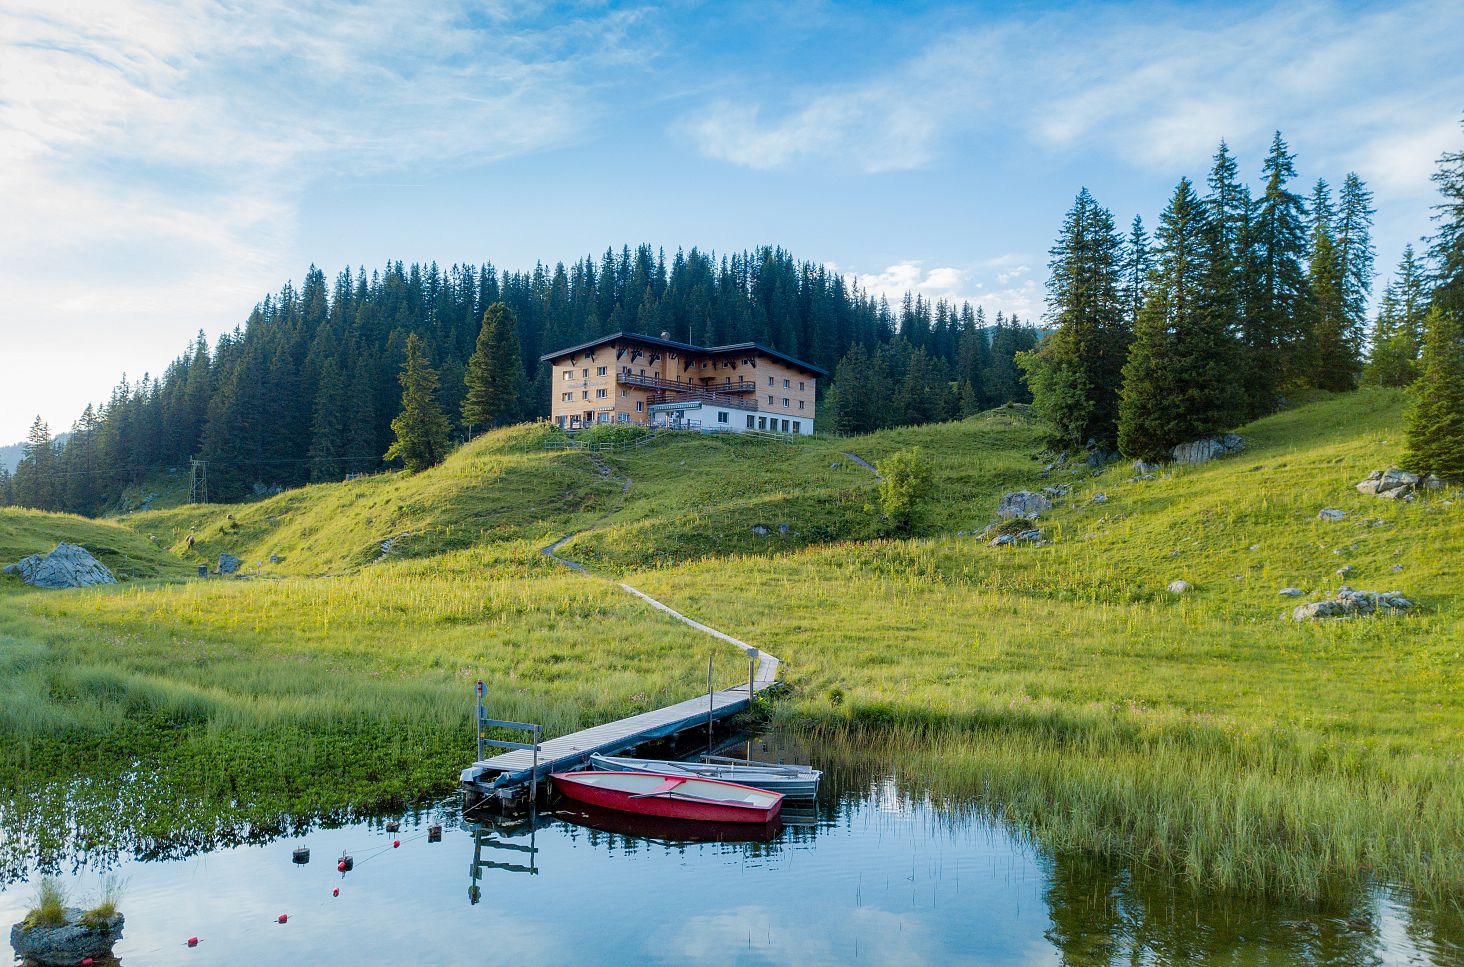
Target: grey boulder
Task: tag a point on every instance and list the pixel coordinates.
(1207, 448)
(70, 943)
(1332, 513)
(68, 566)
(1022, 503)
(228, 564)
(1353, 604)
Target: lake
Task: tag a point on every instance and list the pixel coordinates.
(874, 872)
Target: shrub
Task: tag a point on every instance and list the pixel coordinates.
(904, 487)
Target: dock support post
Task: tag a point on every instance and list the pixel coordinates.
(751, 676)
(534, 776)
(479, 690)
(711, 701)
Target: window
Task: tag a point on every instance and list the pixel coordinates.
(623, 417)
(797, 427)
(640, 406)
(568, 374)
(785, 384)
(770, 381)
(566, 397)
(762, 423)
(585, 395)
(723, 416)
(560, 421)
(800, 386)
(604, 418)
(749, 421)
(601, 394)
(585, 373)
(785, 426)
(624, 392)
(800, 404)
(770, 401)
(600, 371)
(785, 402)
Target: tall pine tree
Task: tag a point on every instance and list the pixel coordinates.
(1179, 379)
(1273, 324)
(1397, 335)
(1434, 425)
(494, 376)
(421, 429)
(1076, 373)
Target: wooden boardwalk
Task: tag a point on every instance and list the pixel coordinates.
(505, 775)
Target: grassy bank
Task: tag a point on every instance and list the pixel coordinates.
(1060, 686)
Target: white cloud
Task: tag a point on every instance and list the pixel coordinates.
(1000, 284)
(154, 155)
(1149, 85)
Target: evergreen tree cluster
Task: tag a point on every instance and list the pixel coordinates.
(1240, 298)
(308, 387)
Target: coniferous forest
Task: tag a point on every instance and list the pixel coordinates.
(308, 387)
(1242, 296)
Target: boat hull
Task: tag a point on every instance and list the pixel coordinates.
(671, 797)
(801, 785)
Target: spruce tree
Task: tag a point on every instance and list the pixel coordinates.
(1434, 425)
(328, 428)
(1228, 206)
(1179, 379)
(1448, 244)
(1333, 352)
(494, 375)
(7, 490)
(1273, 325)
(36, 480)
(421, 429)
(1352, 231)
(1134, 271)
(1397, 334)
(1076, 373)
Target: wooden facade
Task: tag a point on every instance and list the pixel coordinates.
(629, 378)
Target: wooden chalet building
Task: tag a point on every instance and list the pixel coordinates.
(628, 378)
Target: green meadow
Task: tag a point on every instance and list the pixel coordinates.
(1060, 688)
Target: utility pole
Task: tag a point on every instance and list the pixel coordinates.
(197, 481)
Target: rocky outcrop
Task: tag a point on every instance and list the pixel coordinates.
(73, 942)
(1179, 587)
(68, 566)
(1032, 536)
(228, 564)
(1353, 604)
(1332, 513)
(1207, 449)
(1396, 484)
(1022, 503)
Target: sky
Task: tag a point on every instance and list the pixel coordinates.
(163, 166)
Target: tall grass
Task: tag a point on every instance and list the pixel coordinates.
(50, 904)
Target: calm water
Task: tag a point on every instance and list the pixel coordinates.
(874, 874)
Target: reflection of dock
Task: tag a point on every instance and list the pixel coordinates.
(515, 857)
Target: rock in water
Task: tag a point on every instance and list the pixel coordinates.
(228, 564)
(1022, 503)
(68, 566)
(70, 943)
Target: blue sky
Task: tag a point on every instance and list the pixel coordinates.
(164, 165)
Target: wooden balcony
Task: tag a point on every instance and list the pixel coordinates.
(686, 386)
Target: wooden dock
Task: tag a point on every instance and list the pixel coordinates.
(505, 776)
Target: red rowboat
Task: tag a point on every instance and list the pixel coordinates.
(675, 797)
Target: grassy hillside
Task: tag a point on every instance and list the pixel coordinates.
(127, 553)
(1060, 685)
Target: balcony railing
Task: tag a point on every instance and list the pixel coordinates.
(663, 385)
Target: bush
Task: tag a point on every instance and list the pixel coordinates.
(613, 433)
(904, 487)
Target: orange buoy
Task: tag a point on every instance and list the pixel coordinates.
(284, 918)
(336, 892)
(193, 941)
(395, 843)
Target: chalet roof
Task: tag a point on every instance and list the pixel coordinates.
(686, 347)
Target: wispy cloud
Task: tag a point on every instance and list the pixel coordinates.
(1000, 284)
(1155, 86)
(153, 155)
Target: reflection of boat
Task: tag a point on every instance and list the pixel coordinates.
(795, 782)
(674, 797)
(662, 830)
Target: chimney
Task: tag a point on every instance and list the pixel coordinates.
(665, 334)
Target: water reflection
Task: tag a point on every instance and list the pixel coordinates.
(874, 871)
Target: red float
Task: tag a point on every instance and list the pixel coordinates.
(395, 843)
(283, 918)
(336, 892)
(193, 941)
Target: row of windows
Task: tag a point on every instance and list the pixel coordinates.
(785, 403)
(787, 384)
(600, 394)
(585, 373)
(723, 417)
